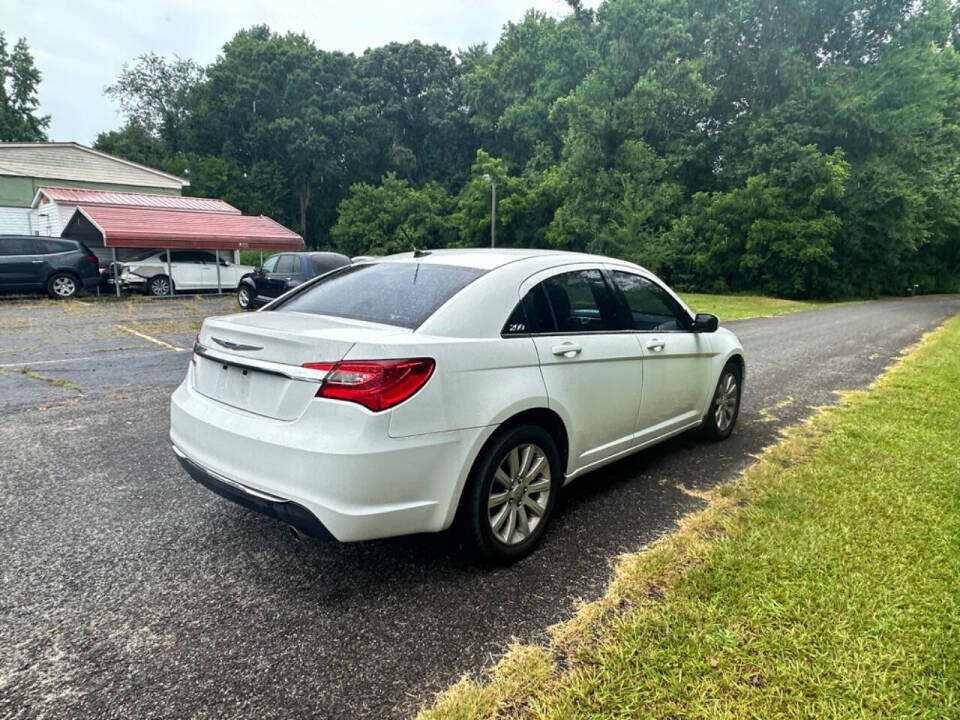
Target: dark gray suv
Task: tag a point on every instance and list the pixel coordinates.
(59, 266)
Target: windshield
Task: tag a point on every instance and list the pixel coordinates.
(403, 294)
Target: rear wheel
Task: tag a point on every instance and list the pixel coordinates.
(725, 406)
(511, 494)
(62, 285)
(158, 285)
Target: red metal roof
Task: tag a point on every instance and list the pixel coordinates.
(83, 196)
(155, 228)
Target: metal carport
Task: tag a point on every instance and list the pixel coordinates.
(142, 227)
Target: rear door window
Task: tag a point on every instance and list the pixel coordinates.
(322, 264)
(649, 306)
(403, 294)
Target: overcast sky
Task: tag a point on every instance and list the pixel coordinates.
(81, 45)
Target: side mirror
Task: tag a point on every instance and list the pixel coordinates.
(705, 322)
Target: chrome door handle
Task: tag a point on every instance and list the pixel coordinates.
(656, 345)
(36, 262)
(567, 349)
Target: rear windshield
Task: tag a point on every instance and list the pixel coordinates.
(403, 294)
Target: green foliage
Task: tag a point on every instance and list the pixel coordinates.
(804, 149)
(393, 217)
(19, 79)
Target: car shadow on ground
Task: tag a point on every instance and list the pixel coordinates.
(329, 571)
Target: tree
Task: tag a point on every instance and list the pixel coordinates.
(393, 217)
(154, 93)
(19, 79)
(414, 89)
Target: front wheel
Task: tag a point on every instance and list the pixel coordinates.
(243, 297)
(725, 406)
(511, 494)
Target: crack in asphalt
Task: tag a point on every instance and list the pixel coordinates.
(127, 590)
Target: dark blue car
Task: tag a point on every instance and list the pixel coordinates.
(282, 272)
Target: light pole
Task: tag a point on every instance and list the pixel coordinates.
(493, 210)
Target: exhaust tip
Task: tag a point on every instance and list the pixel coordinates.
(297, 535)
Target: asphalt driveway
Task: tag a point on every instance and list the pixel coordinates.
(127, 590)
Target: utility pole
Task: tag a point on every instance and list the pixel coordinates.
(493, 210)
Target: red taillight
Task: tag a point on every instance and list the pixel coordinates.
(92, 258)
(375, 384)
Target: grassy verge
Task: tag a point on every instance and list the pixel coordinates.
(823, 583)
(738, 307)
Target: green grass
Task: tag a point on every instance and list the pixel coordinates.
(823, 583)
(737, 307)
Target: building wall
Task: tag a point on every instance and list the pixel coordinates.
(16, 191)
(20, 191)
(15, 221)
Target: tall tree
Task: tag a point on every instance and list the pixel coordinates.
(19, 78)
(154, 94)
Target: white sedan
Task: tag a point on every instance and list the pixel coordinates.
(190, 269)
(452, 387)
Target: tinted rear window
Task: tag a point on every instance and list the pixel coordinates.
(55, 246)
(326, 263)
(403, 294)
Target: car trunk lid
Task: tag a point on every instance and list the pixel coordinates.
(255, 361)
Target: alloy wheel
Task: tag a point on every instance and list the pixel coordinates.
(64, 286)
(725, 401)
(160, 286)
(519, 493)
(243, 298)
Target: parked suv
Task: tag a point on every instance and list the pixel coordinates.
(283, 272)
(61, 267)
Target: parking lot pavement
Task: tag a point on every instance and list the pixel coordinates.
(127, 590)
(56, 352)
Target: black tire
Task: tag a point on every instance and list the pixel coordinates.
(158, 286)
(718, 424)
(476, 518)
(63, 285)
(244, 298)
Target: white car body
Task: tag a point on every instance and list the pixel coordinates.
(250, 416)
(190, 269)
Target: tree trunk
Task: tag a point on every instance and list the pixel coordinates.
(303, 195)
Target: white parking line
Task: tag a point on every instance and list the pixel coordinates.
(161, 343)
(101, 356)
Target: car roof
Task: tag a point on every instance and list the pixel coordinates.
(492, 258)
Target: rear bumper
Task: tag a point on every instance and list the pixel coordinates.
(336, 462)
(269, 505)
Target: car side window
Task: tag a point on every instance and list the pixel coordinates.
(270, 264)
(49, 247)
(531, 316)
(18, 246)
(296, 267)
(285, 264)
(580, 302)
(649, 306)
